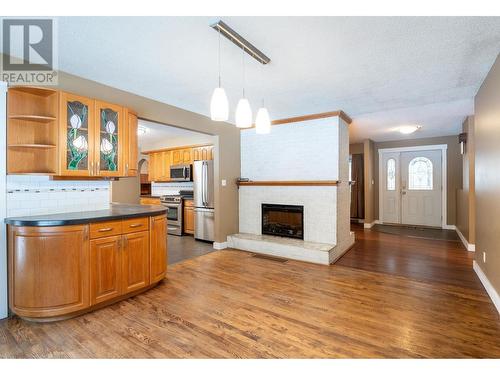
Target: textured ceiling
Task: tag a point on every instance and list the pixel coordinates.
(381, 71)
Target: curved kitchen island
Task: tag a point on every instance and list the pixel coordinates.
(63, 265)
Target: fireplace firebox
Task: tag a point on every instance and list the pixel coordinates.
(283, 220)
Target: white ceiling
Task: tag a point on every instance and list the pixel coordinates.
(163, 136)
(381, 71)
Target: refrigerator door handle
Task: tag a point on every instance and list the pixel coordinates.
(205, 183)
(202, 183)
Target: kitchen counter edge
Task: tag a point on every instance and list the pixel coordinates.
(114, 212)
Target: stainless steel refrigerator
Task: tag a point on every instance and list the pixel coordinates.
(203, 187)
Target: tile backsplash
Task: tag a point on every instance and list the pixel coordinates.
(165, 188)
(38, 195)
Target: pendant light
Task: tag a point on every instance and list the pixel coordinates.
(243, 110)
(219, 106)
(262, 121)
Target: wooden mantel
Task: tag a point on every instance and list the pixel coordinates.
(313, 116)
(289, 183)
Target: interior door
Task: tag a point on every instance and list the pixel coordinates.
(421, 188)
(390, 188)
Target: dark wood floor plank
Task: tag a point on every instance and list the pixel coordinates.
(389, 296)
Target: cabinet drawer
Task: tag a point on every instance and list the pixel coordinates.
(135, 225)
(105, 229)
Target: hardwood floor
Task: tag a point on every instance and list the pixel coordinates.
(389, 296)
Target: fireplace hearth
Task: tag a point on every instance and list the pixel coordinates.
(283, 220)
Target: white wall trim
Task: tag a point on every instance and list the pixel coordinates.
(450, 227)
(444, 182)
(468, 246)
(369, 225)
(495, 298)
(219, 245)
(413, 148)
(3, 202)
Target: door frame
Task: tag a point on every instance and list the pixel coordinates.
(444, 177)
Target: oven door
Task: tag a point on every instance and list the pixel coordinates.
(174, 214)
(174, 218)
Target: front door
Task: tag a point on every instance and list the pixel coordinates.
(421, 188)
(411, 187)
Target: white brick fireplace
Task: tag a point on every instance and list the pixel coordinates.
(307, 152)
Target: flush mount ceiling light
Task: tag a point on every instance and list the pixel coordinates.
(409, 129)
(243, 115)
(141, 130)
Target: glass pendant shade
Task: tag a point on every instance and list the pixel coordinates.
(243, 114)
(263, 122)
(219, 106)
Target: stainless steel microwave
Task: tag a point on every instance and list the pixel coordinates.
(181, 172)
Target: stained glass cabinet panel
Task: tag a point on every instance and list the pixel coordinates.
(76, 135)
(108, 151)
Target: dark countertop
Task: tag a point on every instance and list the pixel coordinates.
(114, 212)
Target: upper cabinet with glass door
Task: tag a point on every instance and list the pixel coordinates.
(76, 135)
(109, 152)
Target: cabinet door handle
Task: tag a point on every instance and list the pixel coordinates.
(91, 168)
(105, 230)
(135, 225)
(98, 168)
(126, 169)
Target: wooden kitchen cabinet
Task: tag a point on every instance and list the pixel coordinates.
(203, 153)
(135, 261)
(158, 239)
(91, 137)
(58, 272)
(57, 133)
(149, 200)
(182, 156)
(188, 219)
(159, 166)
(131, 149)
(48, 270)
(164, 167)
(105, 269)
(109, 143)
(161, 160)
(76, 135)
(32, 130)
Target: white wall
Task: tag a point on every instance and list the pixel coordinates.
(305, 150)
(3, 205)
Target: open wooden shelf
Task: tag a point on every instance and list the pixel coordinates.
(32, 130)
(33, 90)
(32, 145)
(289, 183)
(43, 119)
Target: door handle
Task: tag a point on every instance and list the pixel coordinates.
(135, 225)
(91, 168)
(105, 230)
